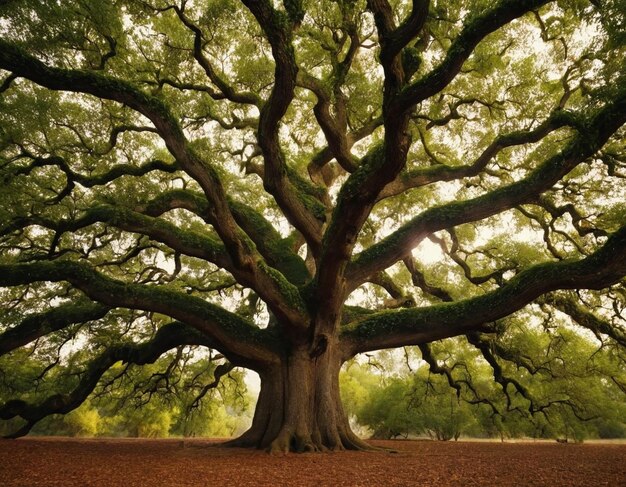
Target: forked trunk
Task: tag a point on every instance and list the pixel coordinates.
(299, 408)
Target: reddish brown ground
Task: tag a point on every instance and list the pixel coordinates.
(130, 462)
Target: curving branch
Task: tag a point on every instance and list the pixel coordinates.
(393, 39)
(184, 241)
(395, 328)
(334, 128)
(238, 339)
(441, 172)
(486, 350)
(596, 132)
(225, 89)
(91, 181)
(473, 32)
(244, 256)
(456, 384)
(302, 211)
(271, 245)
(497, 275)
(36, 325)
(435, 368)
(324, 156)
(378, 168)
(220, 371)
(384, 162)
(330, 110)
(585, 318)
(419, 280)
(167, 337)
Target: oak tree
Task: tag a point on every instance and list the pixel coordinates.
(265, 179)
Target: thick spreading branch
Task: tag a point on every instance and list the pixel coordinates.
(238, 339)
(36, 325)
(297, 207)
(597, 130)
(474, 31)
(167, 337)
(396, 328)
(384, 162)
(242, 252)
(270, 244)
(182, 241)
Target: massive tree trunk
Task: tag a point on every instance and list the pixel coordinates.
(299, 407)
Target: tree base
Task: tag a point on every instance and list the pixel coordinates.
(299, 409)
(293, 443)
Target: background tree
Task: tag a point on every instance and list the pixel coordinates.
(572, 384)
(260, 178)
(185, 392)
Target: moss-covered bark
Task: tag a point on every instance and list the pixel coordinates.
(414, 326)
(299, 407)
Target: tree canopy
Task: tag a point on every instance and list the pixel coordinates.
(293, 183)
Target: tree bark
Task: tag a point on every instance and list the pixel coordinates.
(299, 407)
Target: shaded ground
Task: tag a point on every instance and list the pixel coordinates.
(132, 462)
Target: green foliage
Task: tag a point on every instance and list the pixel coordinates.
(209, 165)
(356, 384)
(413, 405)
(156, 401)
(84, 421)
(574, 393)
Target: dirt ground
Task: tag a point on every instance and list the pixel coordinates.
(132, 462)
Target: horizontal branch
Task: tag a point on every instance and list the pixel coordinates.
(284, 302)
(112, 174)
(238, 339)
(185, 242)
(37, 325)
(396, 328)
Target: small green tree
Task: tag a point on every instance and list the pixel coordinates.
(83, 421)
(388, 413)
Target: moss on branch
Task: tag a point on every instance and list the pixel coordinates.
(598, 128)
(474, 31)
(36, 325)
(270, 244)
(395, 328)
(231, 334)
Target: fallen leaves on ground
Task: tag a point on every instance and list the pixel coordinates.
(194, 462)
